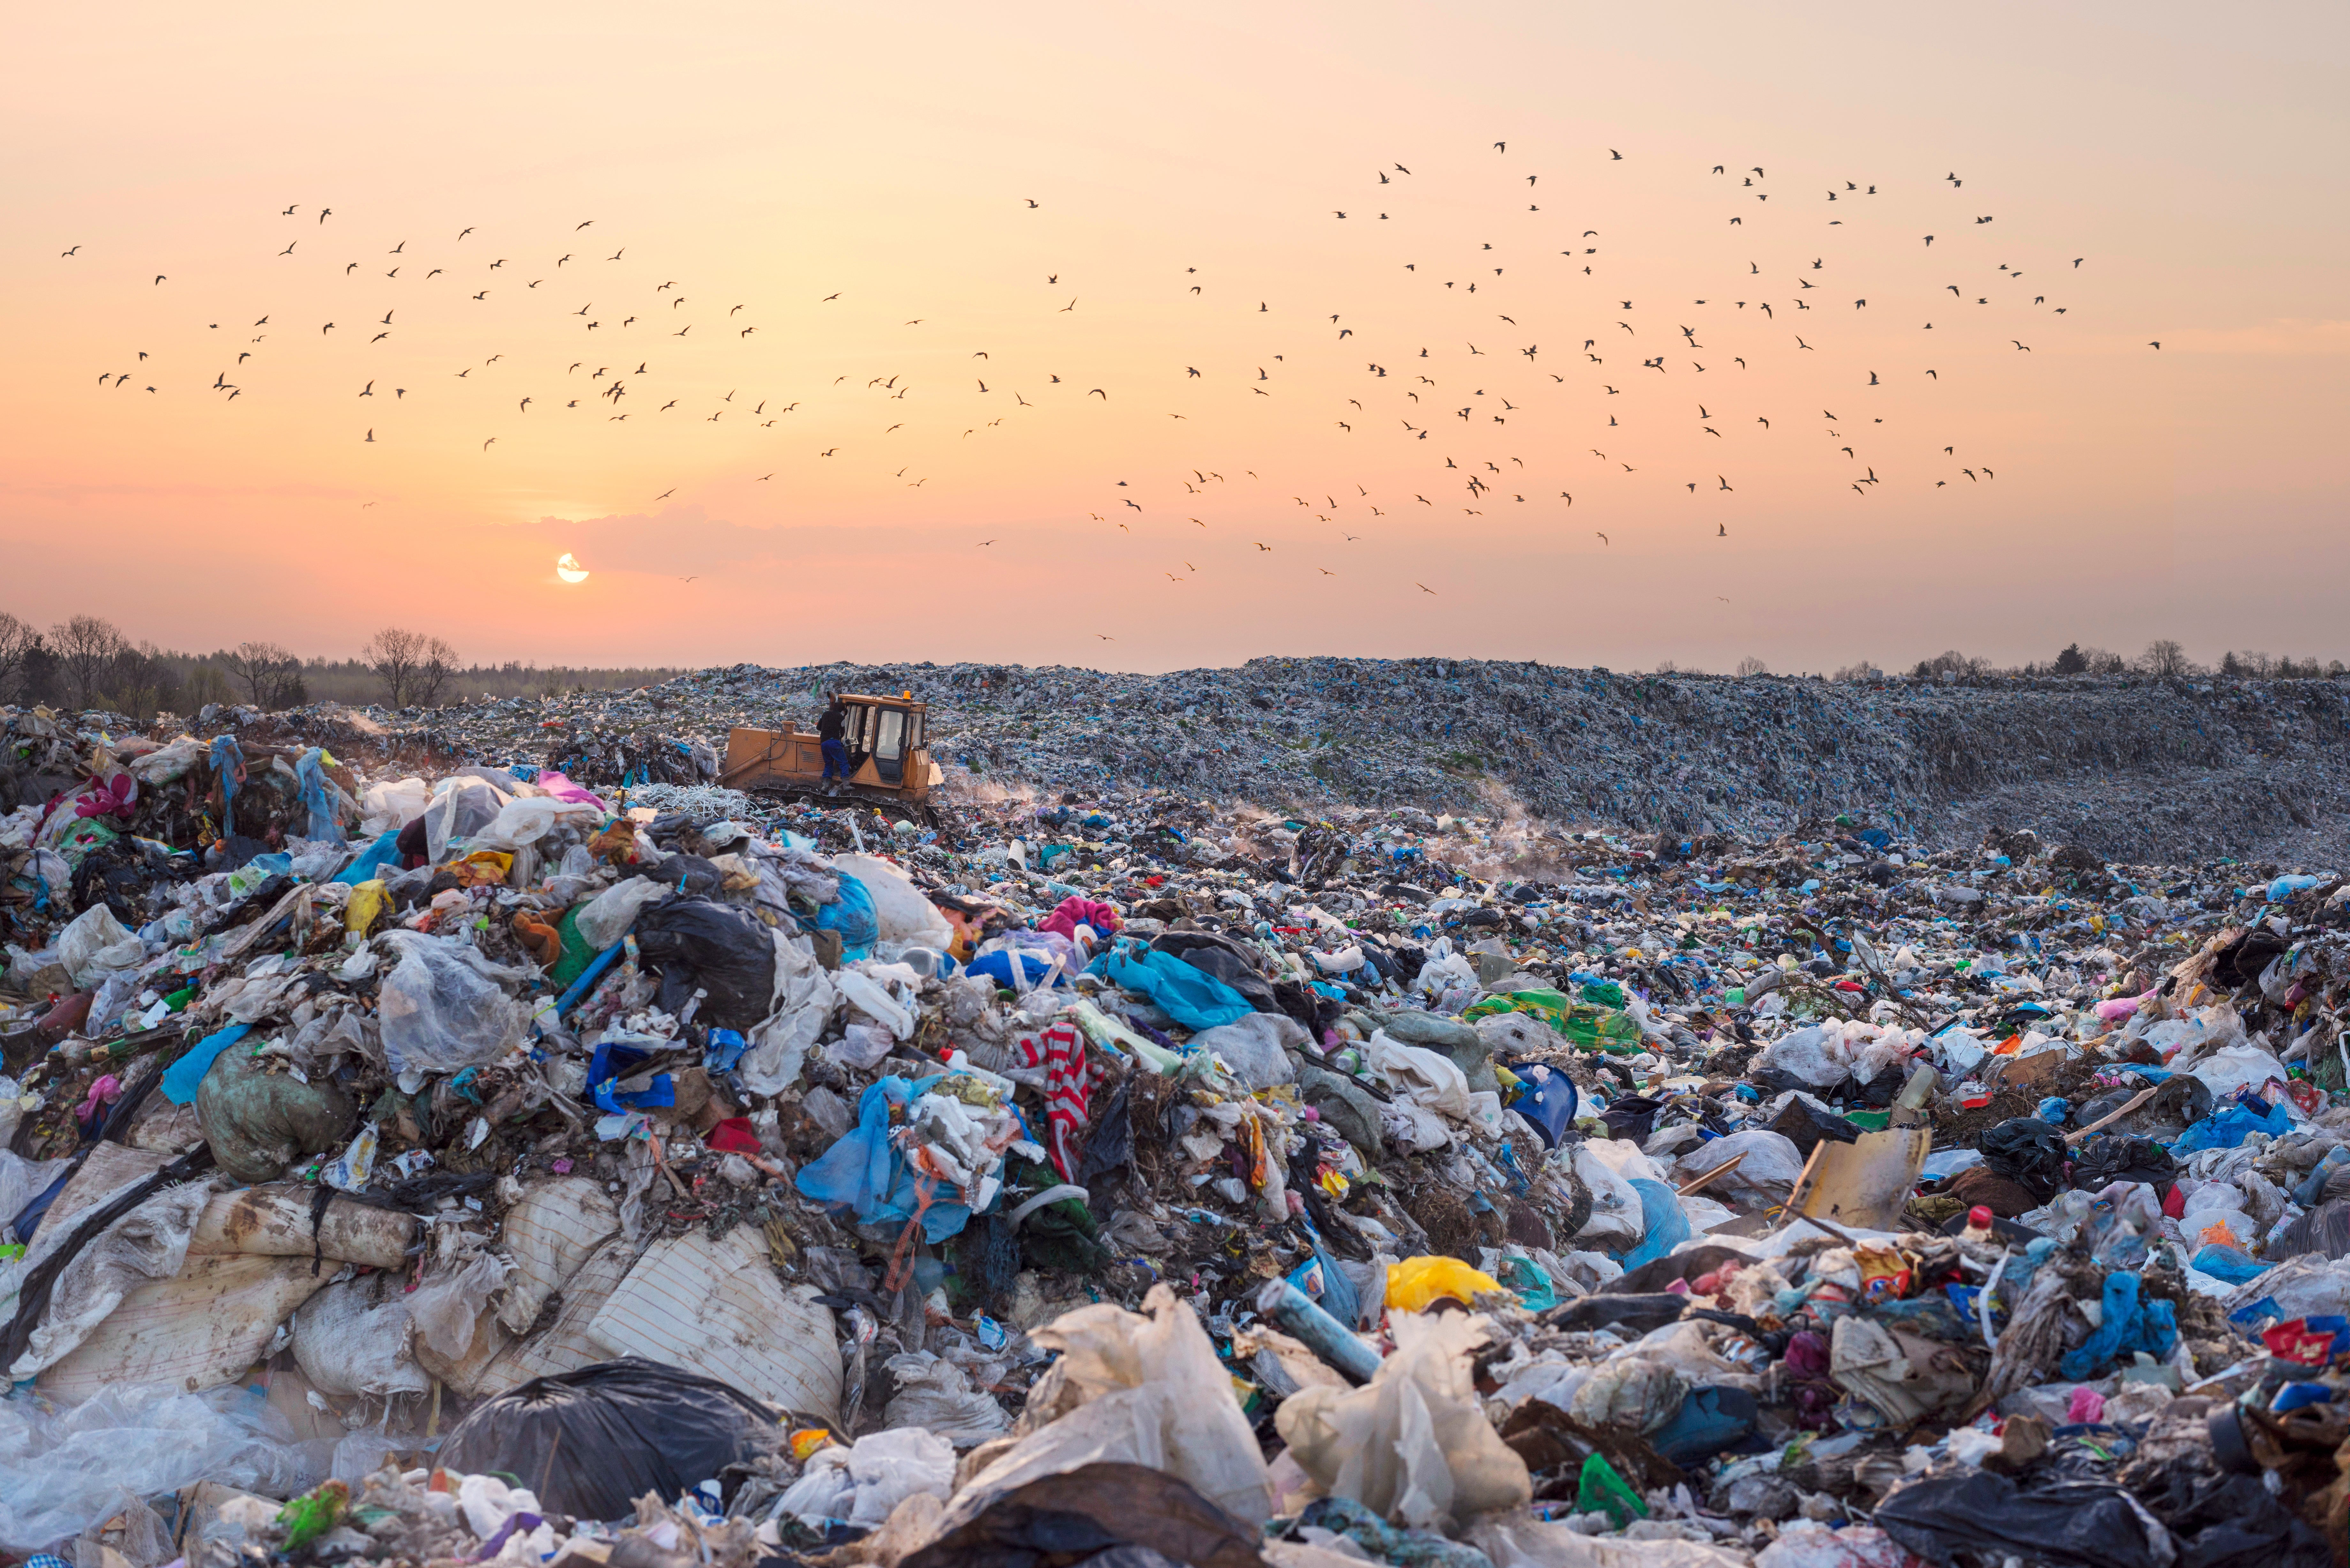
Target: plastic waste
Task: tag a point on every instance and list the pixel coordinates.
(591, 1442)
(444, 1006)
(1412, 1445)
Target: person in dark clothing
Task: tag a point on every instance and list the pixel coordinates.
(830, 728)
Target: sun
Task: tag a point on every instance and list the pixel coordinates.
(568, 569)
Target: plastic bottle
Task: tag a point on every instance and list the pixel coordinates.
(1979, 1230)
(2313, 1186)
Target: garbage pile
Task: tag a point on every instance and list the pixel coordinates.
(2133, 767)
(509, 1163)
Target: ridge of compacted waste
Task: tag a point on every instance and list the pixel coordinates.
(483, 1137)
(2132, 767)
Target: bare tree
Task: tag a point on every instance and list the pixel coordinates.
(436, 666)
(393, 655)
(271, 673)
(84, 647)
(1752, 666)
(140, 682)
(2165, 659)
(17, 641)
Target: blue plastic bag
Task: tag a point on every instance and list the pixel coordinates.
(997, 966)
(865, 1172)
(853, 917)
(2130, 1325)
(2232, 1264)
(1667, 1226)
(1192, 997)
(317, 798)
(227, 758)
(613, 1062)
(183, 1077)
(2230, 1125)
(372, 861)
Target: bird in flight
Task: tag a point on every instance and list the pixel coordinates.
(665, 494)
(1423, 587)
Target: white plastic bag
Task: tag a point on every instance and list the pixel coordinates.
(1256, 1048)
(444, 1007)
(392, 804)
(801, 1006)
(97, 945)
(901, 910)
(933, 1394)
(862, 1485)
(67, 1472)
(1154, 1395)
(872, 999)
(606, 917)
(1413, 1444)
(1770, 1163)
(1618, 1220)
(355, 1337)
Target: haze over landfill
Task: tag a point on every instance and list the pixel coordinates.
(904, 316)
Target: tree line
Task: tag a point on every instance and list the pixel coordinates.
(87, 661)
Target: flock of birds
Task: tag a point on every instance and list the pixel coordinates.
(1453, 403)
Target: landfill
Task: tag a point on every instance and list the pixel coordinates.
(483, 1135)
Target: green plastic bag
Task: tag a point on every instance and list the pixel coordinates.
(1586, 1024)
(576, 953)
(1600, 1489)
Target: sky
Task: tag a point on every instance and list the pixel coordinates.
(870, 333)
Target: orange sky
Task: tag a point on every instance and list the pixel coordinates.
(767, 156)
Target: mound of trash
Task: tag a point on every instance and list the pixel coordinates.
(2133, 767)
(556, 1157)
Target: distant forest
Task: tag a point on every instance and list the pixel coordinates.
(87, 661)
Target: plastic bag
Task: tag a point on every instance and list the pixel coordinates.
(321, 798)
(1771, 1162)
(1192, 997)
(853, 916)
(592, 1442)
(1413, 1444)
(356, 1337)
(1619, 1217)
(933, 1394)
(67, 1472)
(1152, 1394)
(699, 944)
(444, 1006)
(97, 945)
(797, 1014)
(1415, 1283)
(901, 911)
(864, 1484)
(460, 807)
(606, 917)
(259, 1123)
(392, 804)
(1256, 1048)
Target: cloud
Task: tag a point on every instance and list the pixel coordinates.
(686, 539)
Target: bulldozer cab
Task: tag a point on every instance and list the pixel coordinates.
(888, 764)
(885, 731)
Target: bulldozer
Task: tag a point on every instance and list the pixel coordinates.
(888, 767)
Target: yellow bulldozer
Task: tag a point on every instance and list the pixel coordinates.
(888, 766)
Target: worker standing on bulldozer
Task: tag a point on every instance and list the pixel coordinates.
(830, 728)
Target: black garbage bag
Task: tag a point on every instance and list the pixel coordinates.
(2324, 1230)
(1093, 1509)
(2080, 1524)
(2231, 1521)
(591, 1442)
(695, 942)
(1803, 1125)
(2028, 1151)
(2115, 1156)
(1632, 1117)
